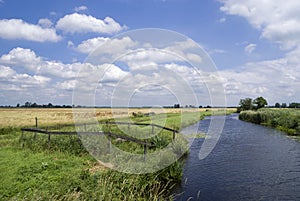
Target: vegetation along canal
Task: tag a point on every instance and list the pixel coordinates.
(250, 162)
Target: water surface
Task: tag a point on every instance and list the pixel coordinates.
(250, 162)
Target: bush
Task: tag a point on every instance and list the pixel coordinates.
(298, 130)
(287, 120)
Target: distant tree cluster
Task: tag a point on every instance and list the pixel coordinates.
(176, 105)
(249, 104)
(284, 105)
(191, 106)
(49, 105)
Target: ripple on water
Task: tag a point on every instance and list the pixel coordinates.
(250, 162)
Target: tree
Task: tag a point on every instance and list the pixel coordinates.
(294, 105)
(176, 105)
(283, 105)
(34, 105)
(277, 105)
(245, 104)
(260, 102)
(27, 104)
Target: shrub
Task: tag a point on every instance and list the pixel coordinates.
(287, 120)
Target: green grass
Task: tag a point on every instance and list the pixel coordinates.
(35, 172)
(287, 120)
(39, 175)
(30, 170)
(196, 135)
(43, 176)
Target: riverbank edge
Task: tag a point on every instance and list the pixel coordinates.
(260, 117)
(52, 159)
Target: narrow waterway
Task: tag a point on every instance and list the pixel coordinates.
(250, 162)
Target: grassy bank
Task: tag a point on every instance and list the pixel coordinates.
(287, 120)
(65, 171)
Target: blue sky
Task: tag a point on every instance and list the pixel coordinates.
(254, 44)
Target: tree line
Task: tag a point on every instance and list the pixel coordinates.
(284, 105)
(260, 102)
(35, 105)
(249, 104)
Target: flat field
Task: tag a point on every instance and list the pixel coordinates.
(66, 171)
(18, 117)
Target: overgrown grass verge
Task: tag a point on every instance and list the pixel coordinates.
(36, 172)
(30, 170)
(287, 120)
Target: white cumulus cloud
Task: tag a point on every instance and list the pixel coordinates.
(80, 8)
(105, 45)
(278, 20)
(81, 23)
(26, 58)
(18, 81)
(277, 80)
(66, 85)
(90, 45)
(21, 57)
(6, 72)
(45, 23)
(222, 20)
(18, 29)
(250, 48)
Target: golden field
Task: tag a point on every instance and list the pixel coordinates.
(18, 117)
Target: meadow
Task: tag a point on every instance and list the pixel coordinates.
(284, 119)
(18, 117)
(30, 170)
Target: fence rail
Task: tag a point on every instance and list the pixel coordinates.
(45, 131)
(42, 131)
(110, 134)
(116, 123)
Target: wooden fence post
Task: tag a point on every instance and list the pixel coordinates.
(22, 138)
(174, 134)
(145, 152)
(49, 142)
(152, 129)
(107, 132)
(36, 125)
(109, 145)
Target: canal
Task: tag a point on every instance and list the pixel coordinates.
(249, 162)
